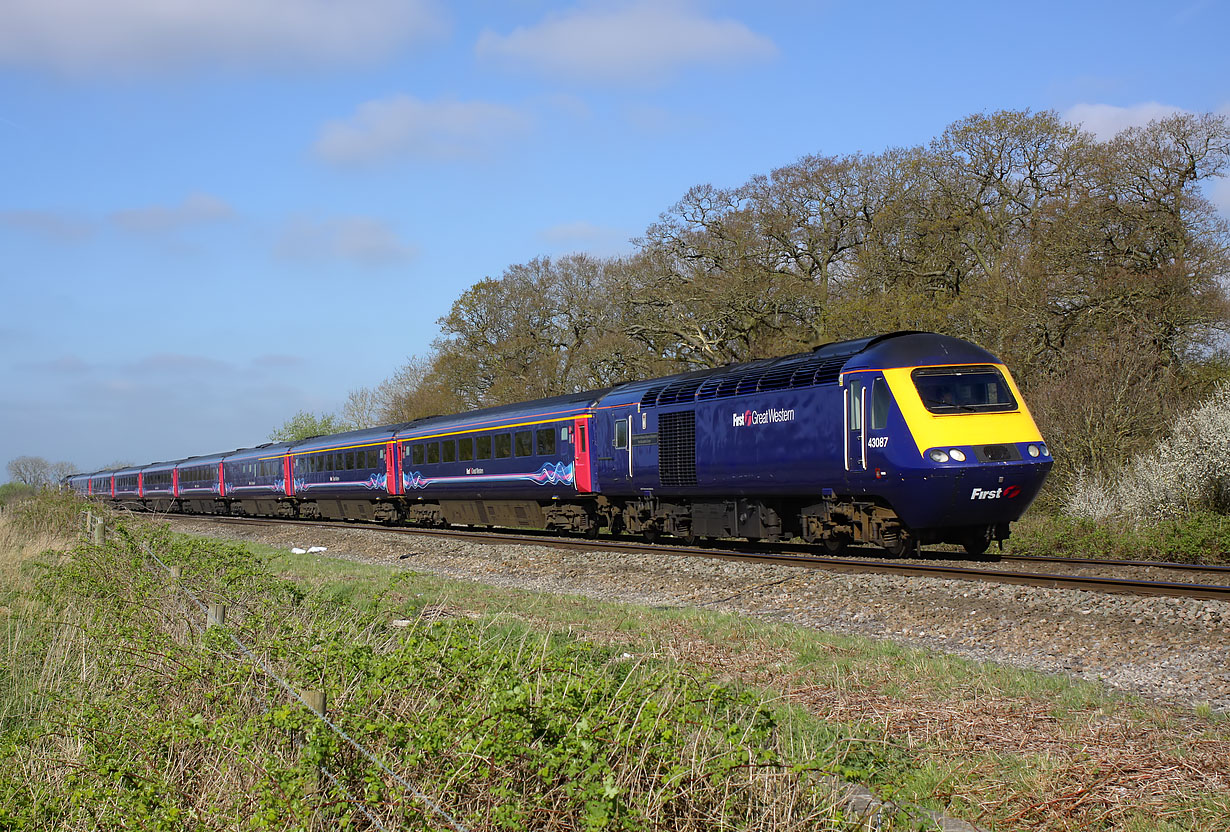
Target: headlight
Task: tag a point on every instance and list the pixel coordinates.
(1033, 451)
(1045, 450)
(938, 456)
(957, 455)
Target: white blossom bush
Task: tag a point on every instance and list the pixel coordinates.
(1189, 470)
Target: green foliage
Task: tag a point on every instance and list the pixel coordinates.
(1198, 537)
(12, 491)
(305, 425)
(127, 717)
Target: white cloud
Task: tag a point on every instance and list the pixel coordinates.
(60, 227)
(637, 42)
(1105, 120)
(196, 209)
(79, 36)
(403, 126)
(365, 240)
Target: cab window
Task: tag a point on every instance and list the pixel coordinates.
(973, 389)
(881, 400)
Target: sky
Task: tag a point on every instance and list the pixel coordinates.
(216, 213)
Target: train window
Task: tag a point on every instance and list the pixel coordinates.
(448, 451)
(484, 447)
(975, 389)
(855, 405)
(433, 453)
(563, 434)
(465, 448)
(503, 446)
(339, 462)
(524, 442)
(621, 433)
(546, 441)
(350, 466)
(416, 455)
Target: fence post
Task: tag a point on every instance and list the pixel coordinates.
(177, 571)
(316, 701)
(216, 616)
(100, 531)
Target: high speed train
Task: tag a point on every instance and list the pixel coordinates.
(894, 440)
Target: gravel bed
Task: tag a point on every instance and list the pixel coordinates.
(1169, 649)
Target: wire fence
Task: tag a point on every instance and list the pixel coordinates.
(96, 530)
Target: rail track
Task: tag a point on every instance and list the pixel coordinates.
(804, 557)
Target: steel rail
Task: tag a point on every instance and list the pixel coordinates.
(1036, 579)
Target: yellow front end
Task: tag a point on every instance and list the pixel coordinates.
(932, 430)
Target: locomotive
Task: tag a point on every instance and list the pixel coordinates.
(895, 440)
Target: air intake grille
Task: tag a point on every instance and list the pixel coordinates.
(677, 448)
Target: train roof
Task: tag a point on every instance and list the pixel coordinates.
(911, 349)
(258, 451)
(362, 436)
(555, 405)
(822, 365)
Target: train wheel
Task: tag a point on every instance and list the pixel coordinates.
(835, 545)
(977, 541)
(900, 545)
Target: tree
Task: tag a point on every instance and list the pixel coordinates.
(60, 470)
(304, 425)
(30, 470)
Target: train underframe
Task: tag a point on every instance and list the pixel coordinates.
(834, 523)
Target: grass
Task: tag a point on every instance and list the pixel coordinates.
(525, 710)
(1197, 537)
(986, 741)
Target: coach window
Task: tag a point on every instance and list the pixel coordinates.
(503, 445)
(433, 453)
(448, 451)
(524, 443)
(546, 441)
(880, 401)
(465, 448)
(339, 462)
(484, 447)
(856, 405)
(416, 455)
(621, 433)
(350, 460)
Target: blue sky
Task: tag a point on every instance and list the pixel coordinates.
(215, 214)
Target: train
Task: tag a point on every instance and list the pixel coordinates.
(896, 440)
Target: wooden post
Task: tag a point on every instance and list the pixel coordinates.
(177, 572)
(100, 531)
(315, 700)
(217, 615)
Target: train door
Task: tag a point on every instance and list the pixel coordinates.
(621, 449)
(288, 475)
(856, 436)
(392, 480)
(580, 445)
